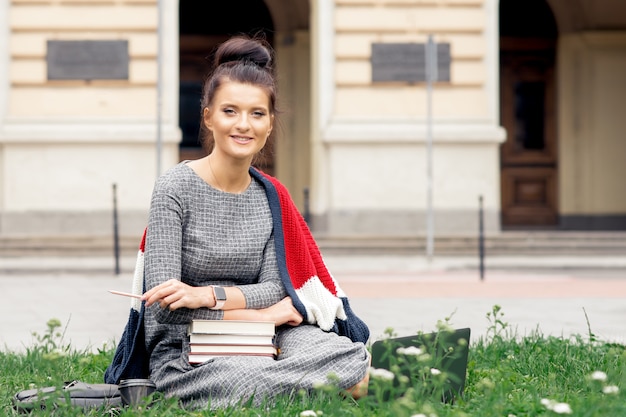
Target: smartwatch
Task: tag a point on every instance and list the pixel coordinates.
(220, 297)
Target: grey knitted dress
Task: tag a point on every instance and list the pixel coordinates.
(204, 236)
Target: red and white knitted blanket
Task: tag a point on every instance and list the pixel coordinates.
(314, 291)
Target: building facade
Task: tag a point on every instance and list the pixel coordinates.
(530, 120)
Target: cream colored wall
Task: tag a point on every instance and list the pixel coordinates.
(35, 22)
(66, 142)
(3, 181)
(592, 85)
(292, 149)
(371, 154)
(75, 175)
(359, 24)
(4, 88)
(389, 162)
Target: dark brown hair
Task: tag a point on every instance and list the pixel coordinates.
(240, 59)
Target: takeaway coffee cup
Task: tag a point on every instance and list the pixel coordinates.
(134, 391)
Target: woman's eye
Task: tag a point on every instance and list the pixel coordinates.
(229, 111)
(259, 113)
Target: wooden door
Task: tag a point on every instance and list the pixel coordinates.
(528, 156)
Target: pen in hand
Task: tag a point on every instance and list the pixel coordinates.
(125, 294)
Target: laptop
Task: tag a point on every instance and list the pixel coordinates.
(444, 351)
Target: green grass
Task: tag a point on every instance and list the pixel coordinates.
(508, 375)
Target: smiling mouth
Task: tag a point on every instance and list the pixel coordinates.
(242, 138)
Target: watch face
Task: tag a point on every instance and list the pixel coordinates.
(220, 294)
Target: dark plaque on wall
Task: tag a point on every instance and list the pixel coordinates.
(88, 60)
(407, 62)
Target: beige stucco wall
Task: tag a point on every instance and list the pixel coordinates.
(592, 85)
(371, 153)
(293, 141)
(65, 143)
(33, 23)
(360, 147)
(359, 24)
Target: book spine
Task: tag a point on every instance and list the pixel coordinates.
(220, 347)
(231, 339)
(200, 358)
(231, 327)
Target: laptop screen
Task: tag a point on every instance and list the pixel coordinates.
(431, 363)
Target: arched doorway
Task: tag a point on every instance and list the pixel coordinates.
(202, 27)
(528, 158)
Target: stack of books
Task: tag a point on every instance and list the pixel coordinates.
(211, 338)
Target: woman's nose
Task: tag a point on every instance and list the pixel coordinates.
(243, 123)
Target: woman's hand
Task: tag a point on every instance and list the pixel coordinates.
(174, 294)
(283, 312)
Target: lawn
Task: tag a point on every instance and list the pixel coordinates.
(508, 375)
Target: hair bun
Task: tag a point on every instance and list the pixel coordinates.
(242, 49)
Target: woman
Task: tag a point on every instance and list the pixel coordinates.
(221, 244)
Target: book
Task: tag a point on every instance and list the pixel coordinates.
(233, 349)
(211, 338)
(239, 327)
(197, 358)
(202, 352)
(230, 339)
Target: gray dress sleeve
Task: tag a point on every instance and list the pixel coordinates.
(270, 288)
(163, 253)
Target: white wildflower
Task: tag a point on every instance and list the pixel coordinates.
(611, 389)
(308, 413)
(598, 376)
(546, 402)
(381, 374)
(419, 415)
(435, 371)
(411, 350)
(562, 408)
(559, 408)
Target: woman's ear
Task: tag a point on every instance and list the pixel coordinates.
(269, 131)
(206, 118)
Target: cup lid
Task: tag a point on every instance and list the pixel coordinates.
(135, 382)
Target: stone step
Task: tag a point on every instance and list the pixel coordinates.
(66, 246)
(505, 243)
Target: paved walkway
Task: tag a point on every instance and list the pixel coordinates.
(404, 293)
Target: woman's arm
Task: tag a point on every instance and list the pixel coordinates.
(268, 296)
(280, 313)
(174, 295)
(265, 301)
(269, 289)
(163, 251)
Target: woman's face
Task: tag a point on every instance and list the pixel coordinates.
(239, 118)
